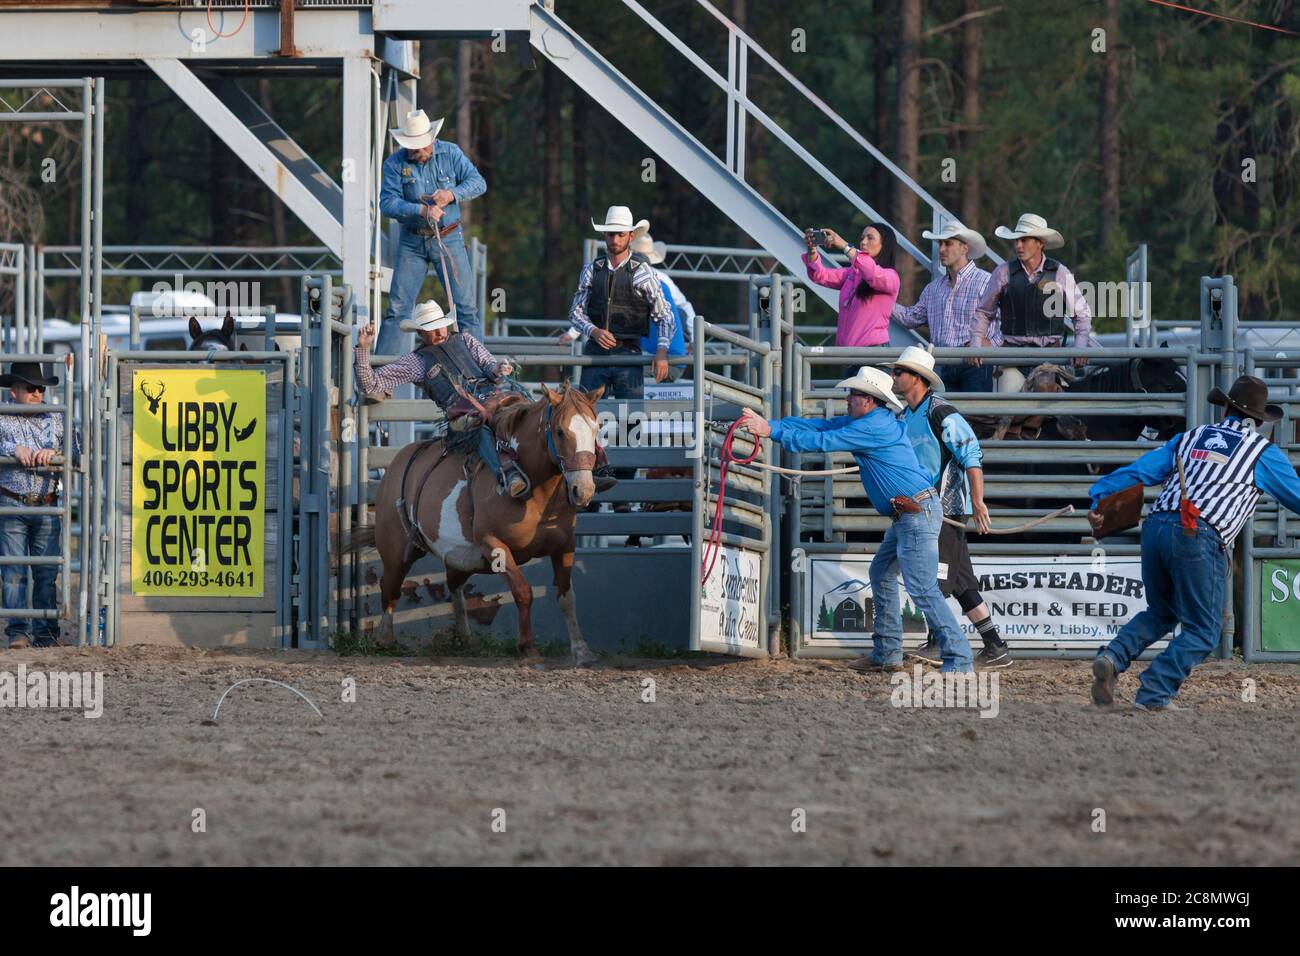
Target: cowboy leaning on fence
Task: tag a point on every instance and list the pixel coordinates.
(34, 440)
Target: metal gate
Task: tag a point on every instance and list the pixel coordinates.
(736, 604)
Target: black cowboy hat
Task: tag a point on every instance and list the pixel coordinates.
(28, 373)
(1249, 397)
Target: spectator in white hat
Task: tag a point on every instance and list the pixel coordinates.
(655, 253)
(1030, 296)
(424, 183)
(947, 305)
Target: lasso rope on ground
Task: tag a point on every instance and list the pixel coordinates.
(726, 457)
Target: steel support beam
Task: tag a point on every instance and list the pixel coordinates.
(219, 118)
(665, 136)
(358, 182)
(69, 36)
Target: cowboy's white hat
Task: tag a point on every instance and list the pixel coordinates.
(875, 383)
(918, 360)
(1034, 226)
(619, 219)
(955, 230)
(427, 317)
(655, 252)
(416, 131)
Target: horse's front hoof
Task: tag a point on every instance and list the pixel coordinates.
(587, 660)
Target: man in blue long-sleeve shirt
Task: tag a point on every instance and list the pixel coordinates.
(424, 183)
(899, 489)
(1224, 469)
(947, 448)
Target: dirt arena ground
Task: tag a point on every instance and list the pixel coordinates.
(587, 773)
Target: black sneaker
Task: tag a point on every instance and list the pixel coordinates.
(993, 657)
(928, 652)
(1103, 684)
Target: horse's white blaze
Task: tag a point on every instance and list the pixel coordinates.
(583, 432)
(451, 544)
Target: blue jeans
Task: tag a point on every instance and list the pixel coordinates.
(620, 381)
(1184, 580)
(967, 378)
(487, 449)
(23, 536)
(912, 545)
(415, 254)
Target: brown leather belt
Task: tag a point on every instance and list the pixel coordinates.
(422, 231)
(904, 504)
(31, 501)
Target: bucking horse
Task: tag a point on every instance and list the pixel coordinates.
(1144, 375)
(436, 500)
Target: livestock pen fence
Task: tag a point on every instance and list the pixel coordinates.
(791, 565)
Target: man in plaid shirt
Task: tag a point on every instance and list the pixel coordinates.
(34, 440)
(947, 305)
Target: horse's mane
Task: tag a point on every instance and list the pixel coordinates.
(508, 417)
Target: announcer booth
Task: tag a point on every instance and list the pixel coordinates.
(202, 513)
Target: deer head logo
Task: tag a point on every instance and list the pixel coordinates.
(155, 397)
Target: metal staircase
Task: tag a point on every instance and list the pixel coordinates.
(722, 179)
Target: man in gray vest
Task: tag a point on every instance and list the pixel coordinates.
(1213, 476)
(617, 302)
(1030, 296)
(453, 368)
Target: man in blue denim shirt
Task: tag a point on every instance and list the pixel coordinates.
(899, 489)
(424, 184)
(34, 440)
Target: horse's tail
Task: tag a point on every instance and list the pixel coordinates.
(359, 539)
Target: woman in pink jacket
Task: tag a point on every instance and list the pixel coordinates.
(868, 287)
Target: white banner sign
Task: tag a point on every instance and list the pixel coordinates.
(1037, 601)
(730, 612)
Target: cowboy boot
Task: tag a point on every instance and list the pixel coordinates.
(604, 482)
(513, 482)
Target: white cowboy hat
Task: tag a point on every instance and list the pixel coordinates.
(417, 131)
(918, 360)
(1034, 226)
(619, 219)
(655, 252)
(875, 383)
(427, 317)
(955, 230)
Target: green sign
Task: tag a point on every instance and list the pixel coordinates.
(1279, 605)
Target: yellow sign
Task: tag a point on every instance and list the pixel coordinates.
(198, 482)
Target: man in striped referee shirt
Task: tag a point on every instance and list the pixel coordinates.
(1225, 468)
